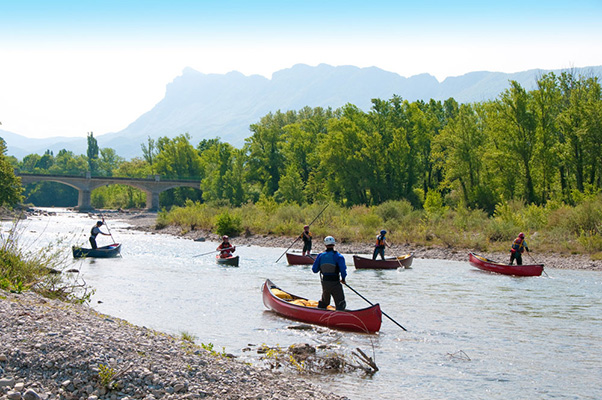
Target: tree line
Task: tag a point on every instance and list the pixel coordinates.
(537, 146)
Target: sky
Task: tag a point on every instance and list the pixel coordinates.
(72, 67)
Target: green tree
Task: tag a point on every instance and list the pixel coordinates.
(108, 162)
(149, 151)
(290, 187)
(265, 158)
(178, 159)
(10, 185)
(459, 151)
(216, 161)
(546, 109)
(92, 153)
(517, 135)
(135, 168)
(67, 163)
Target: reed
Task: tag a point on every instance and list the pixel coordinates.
(42, 270)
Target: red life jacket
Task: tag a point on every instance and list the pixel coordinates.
(517, 245)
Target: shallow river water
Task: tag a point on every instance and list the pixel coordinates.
(471, 334)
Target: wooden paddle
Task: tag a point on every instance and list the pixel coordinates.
(214, 251)
(108, 229)
(369, 302)
(204, 254)
(543, 270)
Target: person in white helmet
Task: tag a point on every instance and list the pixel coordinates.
(333, 271)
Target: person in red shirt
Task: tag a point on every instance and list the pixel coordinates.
(225, 248)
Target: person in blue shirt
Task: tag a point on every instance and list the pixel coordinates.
(333, 271)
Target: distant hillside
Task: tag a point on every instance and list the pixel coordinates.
(224, 105)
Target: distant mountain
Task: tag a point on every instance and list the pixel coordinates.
(224, 105)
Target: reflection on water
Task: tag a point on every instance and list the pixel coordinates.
(471, 334)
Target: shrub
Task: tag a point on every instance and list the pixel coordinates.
(40, 271)
(228, 224)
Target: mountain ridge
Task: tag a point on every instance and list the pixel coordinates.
(225, 105)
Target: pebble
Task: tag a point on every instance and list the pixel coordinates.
(51, 350)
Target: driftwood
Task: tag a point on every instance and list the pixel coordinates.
(362, 357)
(459, 355)
(305, 358)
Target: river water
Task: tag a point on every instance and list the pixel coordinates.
(471, 334)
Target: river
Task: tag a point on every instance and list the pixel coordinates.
(471, 334)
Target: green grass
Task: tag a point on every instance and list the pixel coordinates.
(40, 270)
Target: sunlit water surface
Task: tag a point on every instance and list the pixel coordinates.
(471, 334)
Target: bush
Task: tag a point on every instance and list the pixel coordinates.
(501, 230)
(40, 271)
(228, 224)
(393, 211)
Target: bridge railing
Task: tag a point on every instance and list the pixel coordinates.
(88, 175)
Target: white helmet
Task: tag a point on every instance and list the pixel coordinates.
(329, 240)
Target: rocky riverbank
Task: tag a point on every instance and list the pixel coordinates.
(54, 350)
(146, 222)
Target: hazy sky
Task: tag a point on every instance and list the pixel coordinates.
(72, 67)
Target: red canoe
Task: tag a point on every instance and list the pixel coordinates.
(297, 259)
(366, 320)
(387, 263)
(492, 266)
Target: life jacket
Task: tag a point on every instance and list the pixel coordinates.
(380, 241)
(306, 236)
(226, 253)
(518, 245)
(93, 233)
(328, 266)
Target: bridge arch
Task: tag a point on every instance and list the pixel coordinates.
(151, 186)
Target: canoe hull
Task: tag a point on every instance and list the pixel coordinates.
(505, 269)
(387, 263)
(231, 261)
(110, 251)
(296, 259)
(366, 320)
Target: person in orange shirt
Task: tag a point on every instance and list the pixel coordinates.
(379, 247)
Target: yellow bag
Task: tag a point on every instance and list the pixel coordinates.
(281, 295)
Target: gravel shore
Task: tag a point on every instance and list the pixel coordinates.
(146, 222)
(54, 350)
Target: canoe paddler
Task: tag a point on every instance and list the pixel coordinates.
(306, 236)
(225, 248)
(95, 231)
(518, 247)
(379, 247)
(333, 271)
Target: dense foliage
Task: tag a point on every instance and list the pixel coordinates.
(10, 185)
(534, 146)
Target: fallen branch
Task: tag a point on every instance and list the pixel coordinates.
(362, 357)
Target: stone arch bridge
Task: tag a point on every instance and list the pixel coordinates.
(152, 186)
